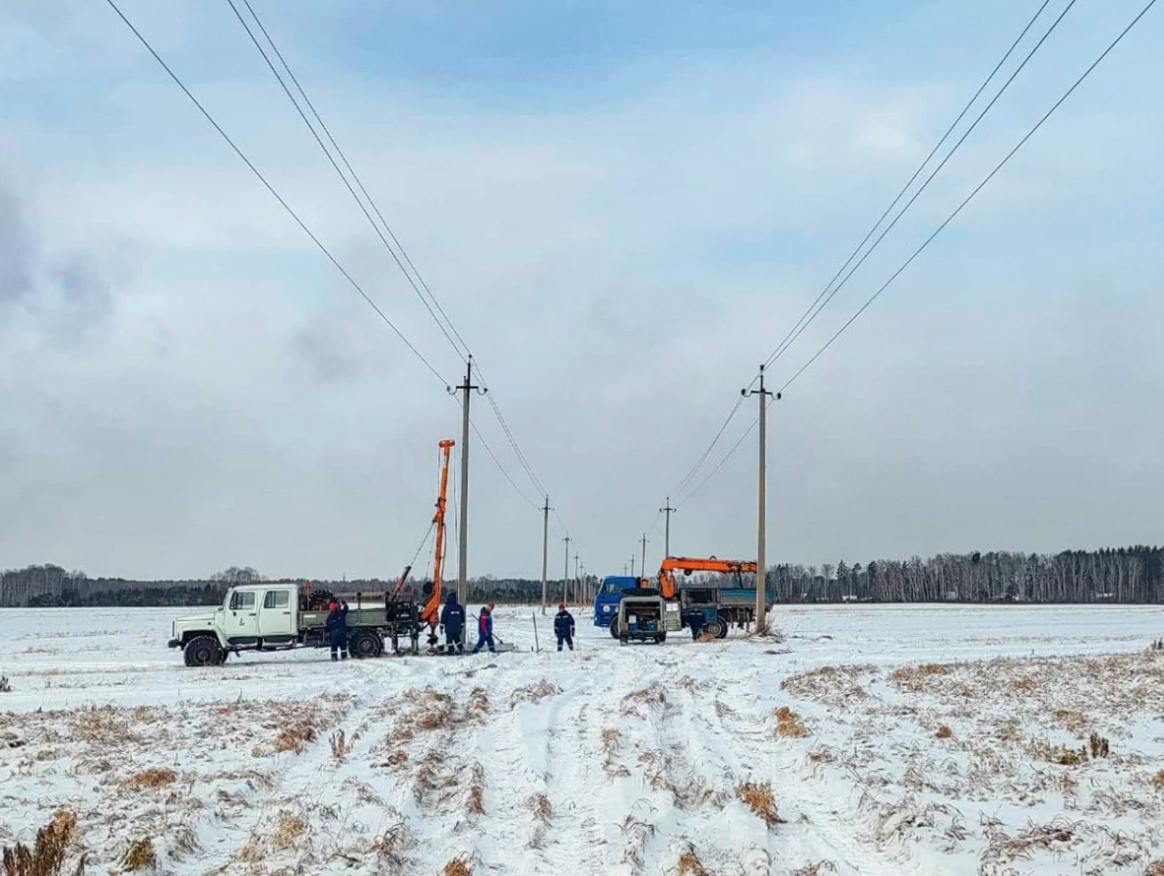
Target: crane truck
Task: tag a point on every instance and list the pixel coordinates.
(706, 607)
(276, 616)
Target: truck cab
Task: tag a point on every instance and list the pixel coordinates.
(259, 616)
(609, 595)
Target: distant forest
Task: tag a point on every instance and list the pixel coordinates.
(1126, 575)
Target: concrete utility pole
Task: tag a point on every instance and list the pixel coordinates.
(545, 548)
(466, 389)
(643, 567)
(668, 510)
(761, 559)
(632, 566)
(577, 583)
(566, 572)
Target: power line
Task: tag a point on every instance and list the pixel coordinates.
(415, 277)
(828, 294)
(274, 193)
(809, 315)
(678, 488)
(334, 164)
(1055, 106)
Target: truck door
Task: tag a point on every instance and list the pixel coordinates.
(242, 621)
(276, 615)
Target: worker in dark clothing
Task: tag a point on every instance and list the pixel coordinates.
(337, 629)
(564, 626)
(485, 629)
(453, 623)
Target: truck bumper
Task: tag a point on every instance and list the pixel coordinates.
(173, 643)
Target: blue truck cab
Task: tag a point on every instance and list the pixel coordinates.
(609, 595)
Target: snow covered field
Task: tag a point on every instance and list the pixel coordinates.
(893, 739)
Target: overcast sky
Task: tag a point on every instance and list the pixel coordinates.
(623, 207)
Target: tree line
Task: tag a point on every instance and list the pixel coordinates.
(1124, 575)
(53, 586)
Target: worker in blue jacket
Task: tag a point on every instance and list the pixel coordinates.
(485, 629)
(336, 626)
(564, 626)
(453, 622)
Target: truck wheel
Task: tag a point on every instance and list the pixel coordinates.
(203, 651)
(660, 638)
(363, 644)
(716, 629)
(614, 627)
(723, 630)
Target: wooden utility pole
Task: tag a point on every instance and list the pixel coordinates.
(668, 510)
(466, 390)
(566, 572)
(545, 550)
(761, 560)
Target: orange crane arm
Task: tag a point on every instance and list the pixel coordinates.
(670, 587)
(432, 608)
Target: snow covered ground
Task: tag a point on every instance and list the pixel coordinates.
(892, 739)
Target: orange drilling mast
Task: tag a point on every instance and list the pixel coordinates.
(431, 613)
(670, 588)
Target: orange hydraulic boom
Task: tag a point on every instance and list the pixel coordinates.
(670, 588)
(431, 612)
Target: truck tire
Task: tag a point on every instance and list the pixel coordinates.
(364, 644)
(203, 651)
(660, 638)
(614, 627)
(723, 630)
(715, 628)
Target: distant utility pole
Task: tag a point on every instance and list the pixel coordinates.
(761, 559)
(643, 567)
(632, 566)
(566, 572)
(577, 583)
(668, 510)
(466, 390)
(545, 548)
(624, 568)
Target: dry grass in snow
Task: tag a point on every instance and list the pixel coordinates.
(758, 797)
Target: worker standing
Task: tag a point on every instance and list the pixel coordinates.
(453, 622)
(485, 629)
(564, 626)
(337, 629)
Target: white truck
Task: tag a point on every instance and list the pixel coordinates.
(280, 616)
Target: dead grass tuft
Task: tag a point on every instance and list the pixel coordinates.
(389, 847)
(340, 746)
(459, 866)
(289, 831)
(646, 699)
(831, 685)
(5, 686)
(690, 865)
(475, 802)
(140, 856)
(1098, 745)
(294, 737)
(48, 853)
(1156, 868)
(815, 869)
(1071, 719)
(1059, 754)
(914, 678)
(534, 693)
(156, 777)
(943, 732)
(1158, 781)
(757, 796)
(789, 724)
(637, 834)
(540, 805)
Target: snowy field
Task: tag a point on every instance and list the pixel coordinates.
(868, 740)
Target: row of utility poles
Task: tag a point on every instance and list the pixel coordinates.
(762, 394)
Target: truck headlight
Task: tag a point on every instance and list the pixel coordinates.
(606, 608)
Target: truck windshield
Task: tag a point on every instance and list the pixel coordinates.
(612, 587)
